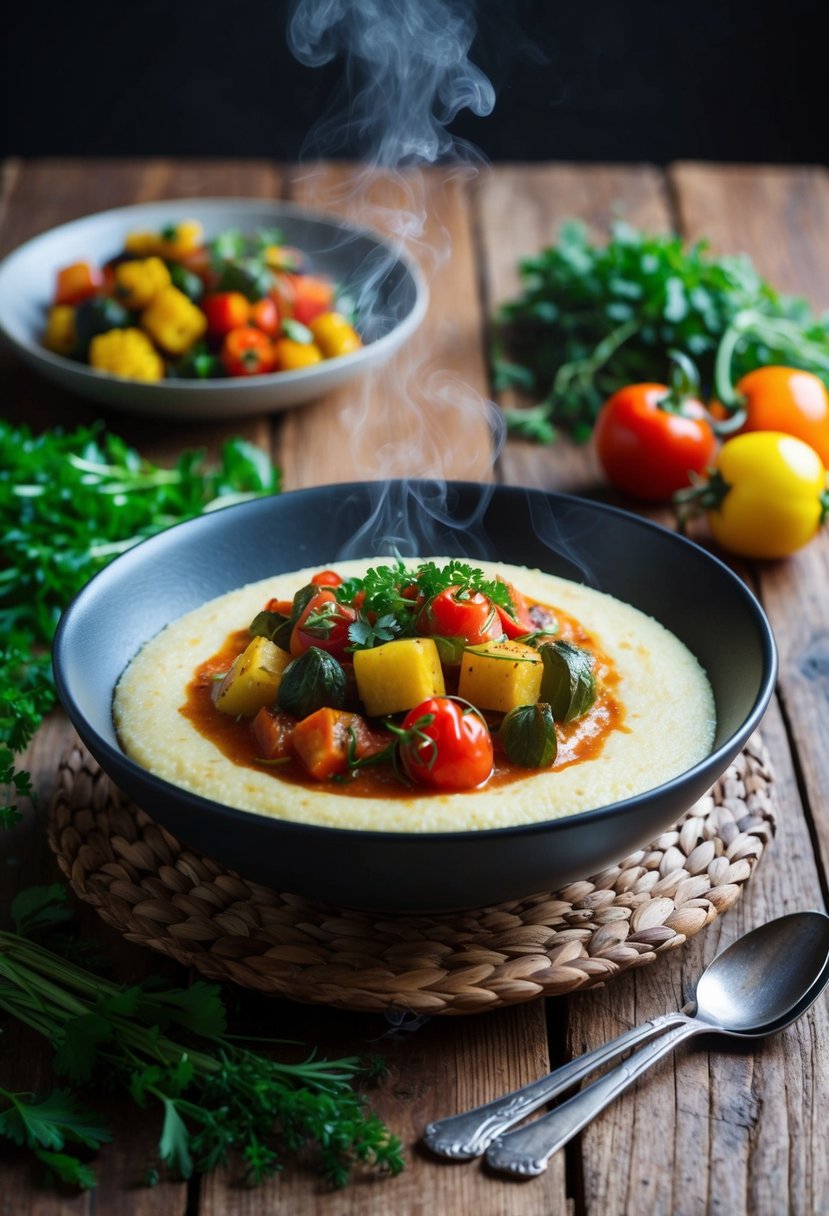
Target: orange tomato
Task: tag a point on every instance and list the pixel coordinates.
(789, 400)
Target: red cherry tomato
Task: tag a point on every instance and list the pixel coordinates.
(324, 623)
(649, 447)
(786, 399)
(247, 352)
(454, 613)
(519, 622)
(264, 314)
(226, 310)
(326, 578)
(446, 745)
(304, 297)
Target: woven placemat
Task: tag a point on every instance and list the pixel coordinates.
(158, 893)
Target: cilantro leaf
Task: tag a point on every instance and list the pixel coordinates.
(174, 1145)
(51, 1121)
(36, 909)
(67, 1169)
(77, 1052)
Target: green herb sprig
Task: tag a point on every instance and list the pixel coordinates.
(69, 503)
(218, 1099)
(394, 594)
(592, 318)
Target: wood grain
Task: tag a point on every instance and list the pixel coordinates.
(717, 1129)
(780, 217)
(425, 413)
(740, 1110)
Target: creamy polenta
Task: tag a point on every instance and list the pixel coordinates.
(666, 727)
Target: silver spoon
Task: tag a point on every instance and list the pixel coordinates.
(757, 986)
(736, 969)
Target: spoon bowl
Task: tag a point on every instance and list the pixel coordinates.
(758, 981)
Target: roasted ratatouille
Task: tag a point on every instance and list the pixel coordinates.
(432, 677)
(172, 305)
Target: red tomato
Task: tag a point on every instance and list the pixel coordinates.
(446, 745)
(517, 623)
(226, 310)
(786, 399)
(77, 283)
(324, 623)
(304, 296)
(264, 314)
(648, 450)
(454, 613)
(326, 578)
(247, 352)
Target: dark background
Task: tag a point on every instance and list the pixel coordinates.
(622, 80)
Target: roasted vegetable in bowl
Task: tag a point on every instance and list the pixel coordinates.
(171, 305)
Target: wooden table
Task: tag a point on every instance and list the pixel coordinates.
(728, 1131)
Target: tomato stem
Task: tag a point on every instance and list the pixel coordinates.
(704, 494)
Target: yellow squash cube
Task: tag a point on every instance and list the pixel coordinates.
(398, 675)
(253, 679)
(173, 322)
(501, 676)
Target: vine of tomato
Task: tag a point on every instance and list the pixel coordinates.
(649, 443)
(446, 745)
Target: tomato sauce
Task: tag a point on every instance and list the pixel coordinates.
(578, 741)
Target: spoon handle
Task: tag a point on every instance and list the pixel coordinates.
(525, 1152)
(468, 1134)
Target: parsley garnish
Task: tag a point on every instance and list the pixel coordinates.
(393, 596)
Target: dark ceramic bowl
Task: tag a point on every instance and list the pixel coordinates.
(664, 575)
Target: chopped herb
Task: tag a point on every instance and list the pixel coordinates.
(393, 596)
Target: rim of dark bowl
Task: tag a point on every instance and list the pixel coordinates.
(714, 763)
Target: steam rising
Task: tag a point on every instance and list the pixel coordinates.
(407, 76)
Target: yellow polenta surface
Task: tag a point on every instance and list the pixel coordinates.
(668, 719)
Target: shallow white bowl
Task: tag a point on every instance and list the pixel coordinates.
(392, 293)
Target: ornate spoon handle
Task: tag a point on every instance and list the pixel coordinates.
(467, 1135)
(525, 1152)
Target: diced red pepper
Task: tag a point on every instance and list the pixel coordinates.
(326, 739)
(77, 283)
(272, 730)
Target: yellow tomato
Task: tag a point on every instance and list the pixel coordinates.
(333, 334)
(767, 495)
(291, 355)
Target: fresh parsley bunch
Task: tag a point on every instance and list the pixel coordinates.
(163, 1046)
(592, 318)
(70, 503)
